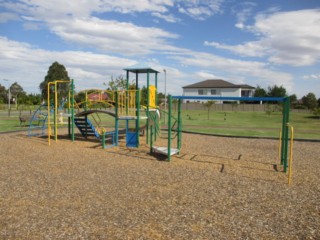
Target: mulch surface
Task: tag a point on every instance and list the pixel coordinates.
(217, 188)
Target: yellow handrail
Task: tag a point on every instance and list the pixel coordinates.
(55, 108)
(280, 140)
(291, 154)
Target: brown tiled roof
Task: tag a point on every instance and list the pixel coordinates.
(216, 83)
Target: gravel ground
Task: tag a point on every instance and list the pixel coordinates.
(217, 188)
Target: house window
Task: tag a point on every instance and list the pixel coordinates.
(213, 92)
(200, 91)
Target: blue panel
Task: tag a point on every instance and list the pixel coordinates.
(266, 99)
(131, 139)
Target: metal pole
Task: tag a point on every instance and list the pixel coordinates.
(72, 110)
(169, 129)
(9, 92)
(165, 92)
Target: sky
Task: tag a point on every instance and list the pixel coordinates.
(260, 43)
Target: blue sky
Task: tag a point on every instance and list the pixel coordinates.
(252, 42)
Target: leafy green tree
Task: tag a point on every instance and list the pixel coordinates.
(260, 92)
(160, 97)
(143, 96)
(16, 90)
(316, 112)
(56, 71)
(118, 83)
(310, 101)
(276, 91)
(293, 99)
(3, 94)
(80, 97)
(318, 102)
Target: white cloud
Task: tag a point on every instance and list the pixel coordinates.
(74, 23)
(8, 16)
(251, 49)
(293, 36)
(112, 36)
(48, 9)
(243, 11)
(167, 17)
(290, 38)
(88, 69)
(200, 9)
(206, 75)
(253, 72)
(312, 76)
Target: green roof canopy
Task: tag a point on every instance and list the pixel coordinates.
(140, 69)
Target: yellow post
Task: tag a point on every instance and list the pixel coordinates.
(152, 96)
(48, 102)
(55, 111)
(290, 155)
(280, 139)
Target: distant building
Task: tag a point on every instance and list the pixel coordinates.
(218, 88)
(98, 96)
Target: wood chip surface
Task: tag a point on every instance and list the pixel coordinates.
(217, 188)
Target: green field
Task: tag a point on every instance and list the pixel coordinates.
(257, 124)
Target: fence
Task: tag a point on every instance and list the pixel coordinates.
(244, 107)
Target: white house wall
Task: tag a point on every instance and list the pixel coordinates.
(220, 92)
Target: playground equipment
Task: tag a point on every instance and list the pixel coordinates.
(125, 107)
(37, 123)
(57, 118)
(285, 117)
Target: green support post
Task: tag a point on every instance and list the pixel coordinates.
(138, 116)
(179, 125)
(127, 93)
(169, 128)
(116, 120)
(148, 120)
(285, 134)
(72, 110)
(103, 140)
(151, 141)
(156, 85)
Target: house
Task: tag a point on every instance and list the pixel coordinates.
(218, 88)
(95, 97)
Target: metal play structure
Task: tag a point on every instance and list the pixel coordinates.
(284, 138)
(131, 118)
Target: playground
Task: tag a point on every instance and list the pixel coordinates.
(111, 167)
(218, 188)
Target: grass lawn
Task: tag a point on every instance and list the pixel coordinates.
(257, 124)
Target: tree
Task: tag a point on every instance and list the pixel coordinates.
(260, 92)
(143, 96)
(293, 99)
(16, 90)
(208, 105)
(3, 94)
(276, 91)
(56, 72)
(316, 112)
(119, 83)
(319, 102)
(310, 101)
